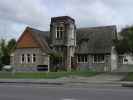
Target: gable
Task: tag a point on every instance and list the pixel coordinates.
(27, 40)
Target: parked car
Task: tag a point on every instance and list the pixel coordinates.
(7, 68)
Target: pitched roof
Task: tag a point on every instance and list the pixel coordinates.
(89, 40)
(41, 37)
(62, 18)
(96, 39)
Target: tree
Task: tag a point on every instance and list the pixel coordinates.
(11, 45)
(5, 50)
(0, 58)
(125, 44)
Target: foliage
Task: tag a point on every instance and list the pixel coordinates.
(125, 44)
(121, 46)
(11, 45)
(6, 47)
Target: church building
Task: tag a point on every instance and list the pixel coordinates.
(78, 48)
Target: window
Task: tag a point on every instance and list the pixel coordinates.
(122, 59)
(28, 58)
(33, 58)
(59, 32)
(22, 58)
(125, 60)
(98, 59)
(82, 58)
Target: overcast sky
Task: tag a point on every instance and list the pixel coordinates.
(15, 15)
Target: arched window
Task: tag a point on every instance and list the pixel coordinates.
(33, 58)
(59, 32)
(22, 59)
(28, 58)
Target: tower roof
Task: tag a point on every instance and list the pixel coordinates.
(62, 18)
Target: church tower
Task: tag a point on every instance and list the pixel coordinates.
(63, 38)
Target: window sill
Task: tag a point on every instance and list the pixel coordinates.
(98, 62)
(83, 62)
(59, 38)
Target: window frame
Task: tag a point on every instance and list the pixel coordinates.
(22, 58)
(98, 59)
(28, 58)
(60, 30)
(33, 58)
(82, 58)
(122, 59)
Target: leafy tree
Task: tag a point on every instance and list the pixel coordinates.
(125, 44)
(11, 45)
(0, 59)
(5, 50)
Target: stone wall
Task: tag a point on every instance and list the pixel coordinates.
(68, 39)
(41, 59)
(99, 67)
(124, 68)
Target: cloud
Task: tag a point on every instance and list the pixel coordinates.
(101, 12)
(24, 11)
(95, 12)
(20, 13)
(9, 29)
(17, 14)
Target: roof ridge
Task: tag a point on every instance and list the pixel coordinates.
(97, 27)
(31, 28)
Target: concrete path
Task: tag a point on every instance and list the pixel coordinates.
(97, 78)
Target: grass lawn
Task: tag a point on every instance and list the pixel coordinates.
(129, 77)
(41, 75)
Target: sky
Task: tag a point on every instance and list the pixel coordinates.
(16, 15)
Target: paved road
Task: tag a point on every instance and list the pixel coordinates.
(38, 92)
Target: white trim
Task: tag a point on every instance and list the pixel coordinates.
(32, 60)
(98, 62)
(21, 59)
(26, 60)
(60, 32)
(123, 57)
(84, 61)
(56, 32)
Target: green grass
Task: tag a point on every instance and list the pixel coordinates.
(44, 75)
(129, 77)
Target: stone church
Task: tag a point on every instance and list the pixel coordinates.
(81, 48)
